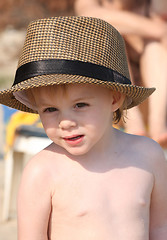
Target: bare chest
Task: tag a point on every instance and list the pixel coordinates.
(120, 197)
(119, 186)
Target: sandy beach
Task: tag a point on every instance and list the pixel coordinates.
(8, 230)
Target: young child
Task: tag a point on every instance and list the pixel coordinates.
(93, 182)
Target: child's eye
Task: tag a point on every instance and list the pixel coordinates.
(81, 105)
(51, 109)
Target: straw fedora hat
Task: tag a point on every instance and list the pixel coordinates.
(66, 50)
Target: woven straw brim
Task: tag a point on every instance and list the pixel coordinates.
(137, 94)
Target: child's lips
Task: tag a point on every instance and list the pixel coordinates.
(73, 140)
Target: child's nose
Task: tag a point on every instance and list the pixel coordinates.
(67, 124)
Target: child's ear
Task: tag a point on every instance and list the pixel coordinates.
(117, 100)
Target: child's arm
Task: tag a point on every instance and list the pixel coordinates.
(158, 214)
(34, 202)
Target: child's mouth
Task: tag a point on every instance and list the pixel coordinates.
(74, 139)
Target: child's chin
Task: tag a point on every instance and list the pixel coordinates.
(77, 152)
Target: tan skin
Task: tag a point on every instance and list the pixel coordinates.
(125, 21)
(147, 41)
(105, 185)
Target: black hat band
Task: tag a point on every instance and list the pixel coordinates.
(74, 67)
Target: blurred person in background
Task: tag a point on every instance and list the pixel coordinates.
(144, 27)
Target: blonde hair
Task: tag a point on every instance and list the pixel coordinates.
(119, 113)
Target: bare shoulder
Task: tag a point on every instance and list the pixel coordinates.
(152, 151)
(143, 152)
(41, 167)
(144, 149)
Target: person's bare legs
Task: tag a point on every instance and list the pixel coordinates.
(154, 73)
(134, 123)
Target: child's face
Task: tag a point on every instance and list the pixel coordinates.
(77, 117)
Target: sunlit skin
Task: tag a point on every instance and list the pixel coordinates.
(93, 182)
